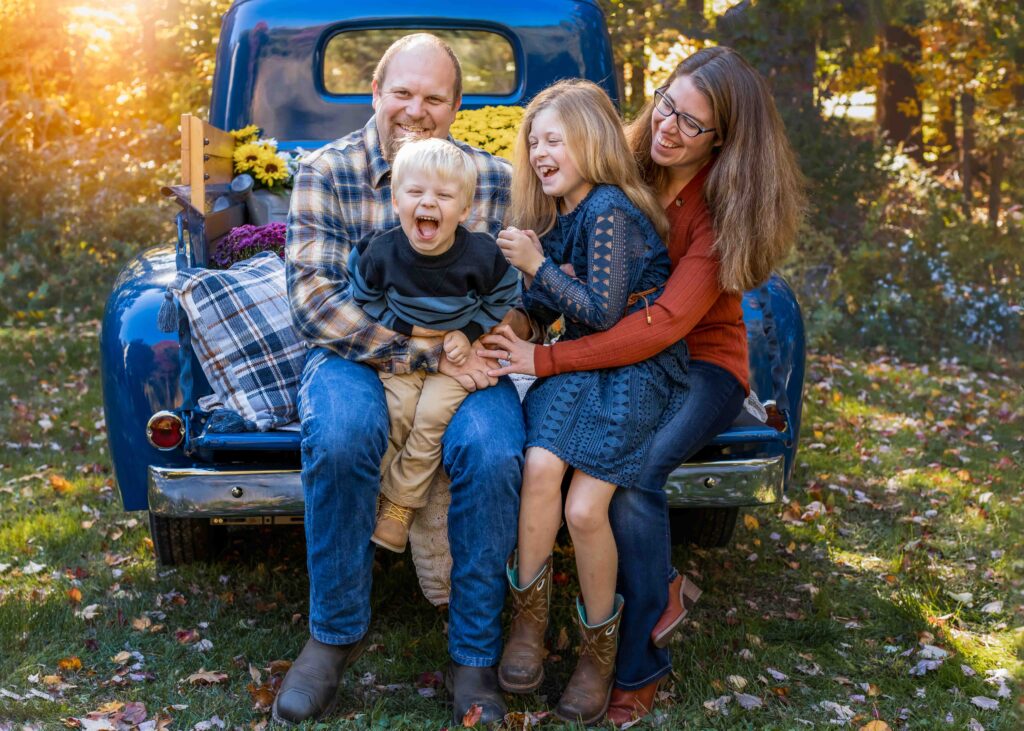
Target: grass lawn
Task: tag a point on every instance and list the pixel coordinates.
(889, 590)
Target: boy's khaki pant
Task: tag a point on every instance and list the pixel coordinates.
(420, 405)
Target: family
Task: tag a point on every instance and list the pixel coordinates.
(423, 271)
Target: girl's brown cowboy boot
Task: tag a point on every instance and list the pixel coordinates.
(522, 664)
(585, 698)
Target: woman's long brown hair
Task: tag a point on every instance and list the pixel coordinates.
(755, 190)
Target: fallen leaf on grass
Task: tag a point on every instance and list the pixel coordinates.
(75, 595)
(472, 716)
(70, 664)
(973, 725)
(186, 636)
(209, 723)
(142, 623)
(748, 702)
(840, 712)
(262, 695)
(750, 522)
(206, 677)
(60, 485)
(736, 682)
(876, 726)
(985, 703)
(90, 612)
(719, 704)
(993, 607)
(32, 568)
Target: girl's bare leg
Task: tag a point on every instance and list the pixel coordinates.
(540, 510)
(597, 558)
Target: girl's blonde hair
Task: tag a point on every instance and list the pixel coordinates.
(597, 146)
(439, 159)
(755, 190)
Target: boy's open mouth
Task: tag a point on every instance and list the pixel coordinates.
(426, 227)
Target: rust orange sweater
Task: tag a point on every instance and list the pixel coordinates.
(693, 306)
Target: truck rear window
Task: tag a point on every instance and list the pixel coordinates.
(488, 61)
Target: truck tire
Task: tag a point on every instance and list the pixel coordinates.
(704, 527)
(179, 541)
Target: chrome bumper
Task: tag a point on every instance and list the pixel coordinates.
(727, 483)
(275, 494)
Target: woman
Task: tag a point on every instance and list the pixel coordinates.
(713, 148)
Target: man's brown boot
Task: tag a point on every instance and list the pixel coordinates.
(393, 521)
(310, 689)
(522, 664)
(585, 698)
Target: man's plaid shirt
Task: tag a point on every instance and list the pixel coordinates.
(342, 194)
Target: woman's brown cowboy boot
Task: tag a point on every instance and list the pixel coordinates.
(522, 664)
(585, 698)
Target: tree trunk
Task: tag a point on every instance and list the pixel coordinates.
(996, 168)
(899, 105)
(967, 149)
(947, 126)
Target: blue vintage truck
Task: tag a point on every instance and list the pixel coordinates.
(300, 70)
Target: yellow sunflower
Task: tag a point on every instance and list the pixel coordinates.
(270, 169)
(246, 134)
(247, 156)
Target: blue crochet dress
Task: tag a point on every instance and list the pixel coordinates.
(601, 422)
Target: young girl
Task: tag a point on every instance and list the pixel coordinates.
(587, 235)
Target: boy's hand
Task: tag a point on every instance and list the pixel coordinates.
(522, 249)
(456, 347)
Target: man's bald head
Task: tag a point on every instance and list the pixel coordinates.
(413, 42)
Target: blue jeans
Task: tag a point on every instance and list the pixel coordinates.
(344, 420)
(639, 520)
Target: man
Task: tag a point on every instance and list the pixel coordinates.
(342, 193)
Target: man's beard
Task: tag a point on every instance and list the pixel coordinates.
(393, 143)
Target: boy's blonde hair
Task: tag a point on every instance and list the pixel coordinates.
(439, 158)
(596, 144)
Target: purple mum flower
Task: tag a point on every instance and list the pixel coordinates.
(243, 242)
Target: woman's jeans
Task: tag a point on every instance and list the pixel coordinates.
(344, 420)
(639, 520)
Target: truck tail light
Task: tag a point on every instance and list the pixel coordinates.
(165, 430)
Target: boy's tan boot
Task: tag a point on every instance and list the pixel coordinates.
(585, 698)
(522, 664)
(393, 521)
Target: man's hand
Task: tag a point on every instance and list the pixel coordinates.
(522, 249)
(473, 374)
(456, 347)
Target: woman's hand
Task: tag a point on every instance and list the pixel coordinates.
(502, 343)
(522, 249)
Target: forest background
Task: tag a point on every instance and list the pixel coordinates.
(906, 116)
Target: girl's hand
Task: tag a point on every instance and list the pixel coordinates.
(522, 249)
(456, 347)
(502, 343)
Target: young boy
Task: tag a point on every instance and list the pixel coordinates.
(427, 277)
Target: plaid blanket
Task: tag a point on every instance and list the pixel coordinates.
(243, 337)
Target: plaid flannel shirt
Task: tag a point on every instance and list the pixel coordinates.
(342, 193)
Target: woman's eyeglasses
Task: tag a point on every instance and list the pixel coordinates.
(686, 124)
